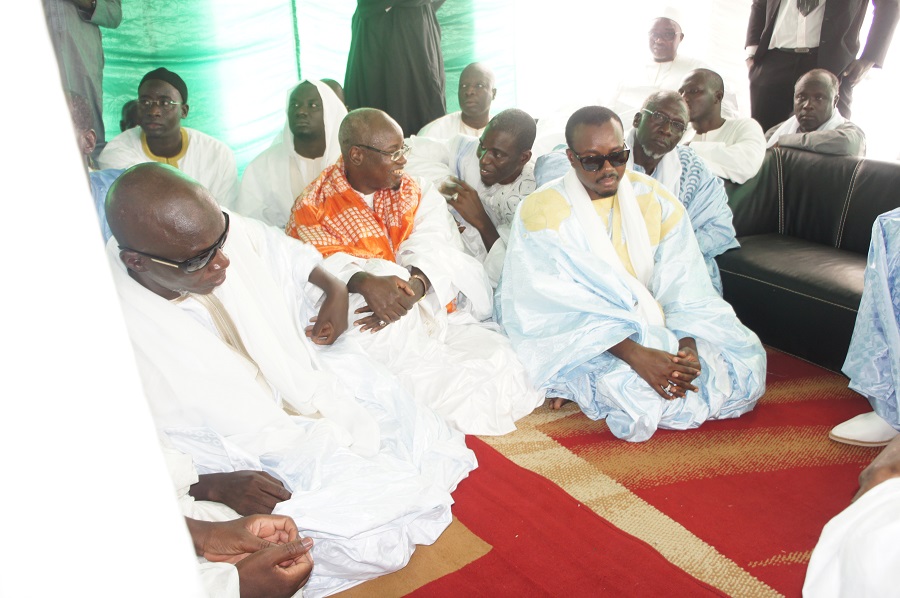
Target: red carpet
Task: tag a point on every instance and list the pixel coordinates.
(732, 508)
(546, 544)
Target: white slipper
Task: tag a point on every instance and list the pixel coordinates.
(868, 429)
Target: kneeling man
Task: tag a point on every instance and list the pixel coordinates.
(608, 303)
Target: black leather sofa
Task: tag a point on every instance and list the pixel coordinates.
(804, 224)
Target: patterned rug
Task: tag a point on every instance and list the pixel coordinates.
(734, 507)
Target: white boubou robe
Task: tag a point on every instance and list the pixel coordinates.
(370, 471)
(582, 276)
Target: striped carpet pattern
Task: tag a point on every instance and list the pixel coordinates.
(733, 508)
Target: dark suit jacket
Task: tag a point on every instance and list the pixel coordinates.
(839, 41)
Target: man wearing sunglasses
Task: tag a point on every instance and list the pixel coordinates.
(161, 106)
(483, 180)
(417, 297)
(607, 300)
(225, 314)
(658, 127)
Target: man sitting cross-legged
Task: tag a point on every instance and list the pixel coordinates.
(484, 180)
(391, 238)
(307, 145)
(658, 127)
(221, 311)
(608, 303)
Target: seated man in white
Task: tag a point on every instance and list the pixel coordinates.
(477, 89)
(308, 144)
(484, 180)
(873, 360)
(416, 297)
(857, 553)
(225, 346)
(162, 104)
(658, 127)
(665, 71)
(608, 303)
(816, 125)
(733, 148)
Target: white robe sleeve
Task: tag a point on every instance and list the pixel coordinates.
(740, 157)
(435, 248)
(844, 140)
(223, 176)
(124, 151)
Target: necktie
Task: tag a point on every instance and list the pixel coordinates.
(807, 6)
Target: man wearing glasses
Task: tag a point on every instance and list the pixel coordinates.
(225, 315)
(607, 300)
(658, 127)
(664, 71)
(416, 296)
(162, 104)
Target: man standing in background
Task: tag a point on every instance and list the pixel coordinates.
(395, 62)
(786, 39)
(74, 27)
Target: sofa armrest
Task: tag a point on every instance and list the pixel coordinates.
(755, 204)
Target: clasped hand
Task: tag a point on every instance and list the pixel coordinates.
(388, 298)
(670, 376)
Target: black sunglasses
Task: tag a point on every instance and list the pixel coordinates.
(595, 163)
(198, 262)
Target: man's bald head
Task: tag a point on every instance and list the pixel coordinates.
(666, 96)
(155, 210)
(477, 89)
(366, 126)
(711, 79)
(703, 90)
(369, 139)
(480, 69)
(815, 99)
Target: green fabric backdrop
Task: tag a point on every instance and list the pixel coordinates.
(239, 59)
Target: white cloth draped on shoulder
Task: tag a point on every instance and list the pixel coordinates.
(206, 160)
(687, 176)
(857, 553)
(792, 125)
(274, 179)
(461, 368)
(563, 308)
(369, 469)
(435, 160)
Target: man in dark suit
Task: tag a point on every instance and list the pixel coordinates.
(787, 38)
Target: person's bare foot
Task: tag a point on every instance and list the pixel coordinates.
(556, 403)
